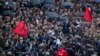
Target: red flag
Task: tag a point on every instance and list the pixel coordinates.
(88, 15)
(61, 52)
(21, 29)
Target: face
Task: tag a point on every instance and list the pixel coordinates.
(0, 19)
(21, 40)
(70, 29)
(8, 18)
(41, 12)
(16, 22)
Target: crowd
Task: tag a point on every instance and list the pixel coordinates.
(50, 27)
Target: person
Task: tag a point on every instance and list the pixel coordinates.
(68, 29)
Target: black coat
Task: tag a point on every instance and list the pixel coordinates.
(2, 44)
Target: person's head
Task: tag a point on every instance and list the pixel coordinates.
(21, 39)
(0, 17)
(8, 18)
